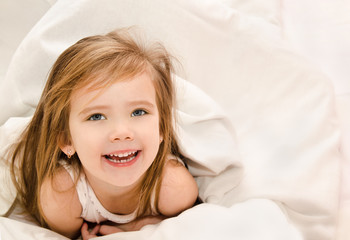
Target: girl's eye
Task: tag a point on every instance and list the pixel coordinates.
(96, 117)
(138, 112)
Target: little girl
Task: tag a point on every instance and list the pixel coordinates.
(101, 145)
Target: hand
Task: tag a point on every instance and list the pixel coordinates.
(105, 229)
(86, 234)
(98, 229)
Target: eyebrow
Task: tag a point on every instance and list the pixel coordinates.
(142, 103)
(93, 108)
(145, 103)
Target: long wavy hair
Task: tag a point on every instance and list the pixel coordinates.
(99, 60)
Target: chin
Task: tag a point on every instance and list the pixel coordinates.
(123, 182)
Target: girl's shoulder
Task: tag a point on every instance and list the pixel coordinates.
(61, 182)
(60, 203)
(178, 190)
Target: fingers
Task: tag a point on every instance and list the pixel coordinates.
(95, 230)
(84, 231)
(106, 229)
(98, 229)
(86, 234)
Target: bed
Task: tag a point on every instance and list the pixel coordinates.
(266, 124)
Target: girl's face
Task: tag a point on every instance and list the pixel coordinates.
(115, 131)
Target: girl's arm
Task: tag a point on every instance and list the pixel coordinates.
(179, 190)
(60, 204)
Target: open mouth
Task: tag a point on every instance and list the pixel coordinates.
(122, 157)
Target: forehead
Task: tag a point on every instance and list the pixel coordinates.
(136, 88)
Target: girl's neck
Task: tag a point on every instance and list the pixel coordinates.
(118, 200)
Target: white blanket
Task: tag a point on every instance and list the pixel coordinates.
(244, 221)
(282, 109)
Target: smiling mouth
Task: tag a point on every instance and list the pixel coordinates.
(122, 157)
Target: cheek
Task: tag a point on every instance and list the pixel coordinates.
(149, 134)
(85, 141)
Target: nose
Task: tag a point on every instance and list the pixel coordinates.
(121, 132)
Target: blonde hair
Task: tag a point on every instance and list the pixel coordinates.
(114, 56)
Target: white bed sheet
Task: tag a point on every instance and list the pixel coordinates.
(282, 109)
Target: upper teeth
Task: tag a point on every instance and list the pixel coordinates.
(122, 154)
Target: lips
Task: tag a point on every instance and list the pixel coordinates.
(122, 158)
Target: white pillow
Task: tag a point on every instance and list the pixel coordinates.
(16, 22)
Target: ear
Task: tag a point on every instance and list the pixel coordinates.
(69, 150)
(66, 146)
